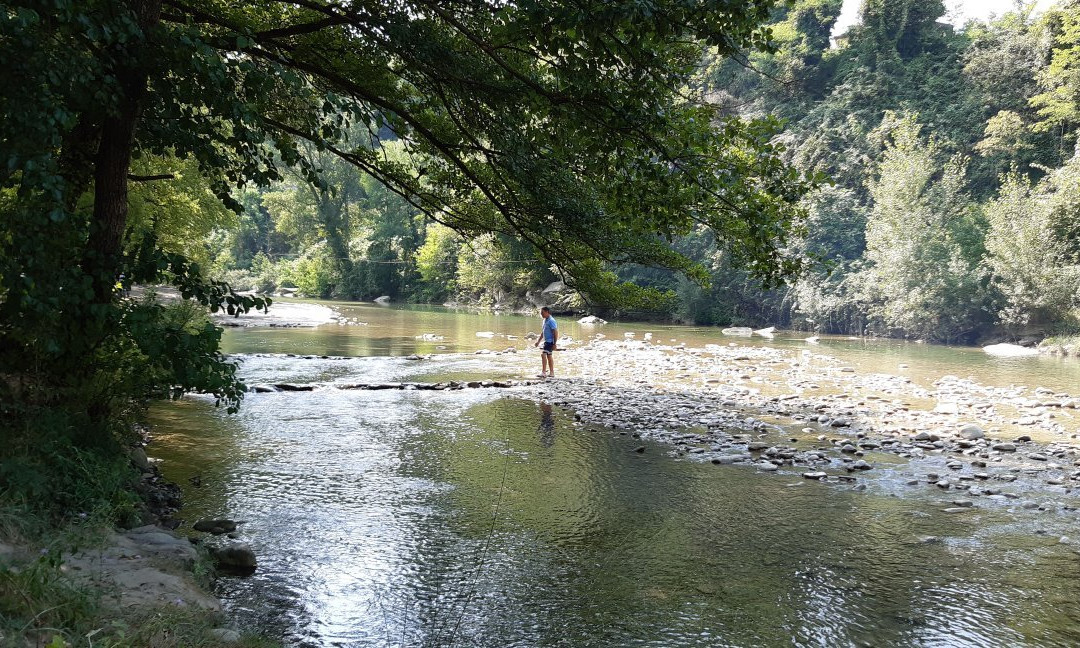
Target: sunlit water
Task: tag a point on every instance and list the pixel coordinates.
(480, 518)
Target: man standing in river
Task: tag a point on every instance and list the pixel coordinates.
(549, 336)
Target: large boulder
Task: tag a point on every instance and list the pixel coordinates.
(554, 287)
(743, 331)
(385, 299)
(591, 320)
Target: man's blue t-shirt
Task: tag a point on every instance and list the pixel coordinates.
(549, 329)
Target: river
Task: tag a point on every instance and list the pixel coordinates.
(481, 517)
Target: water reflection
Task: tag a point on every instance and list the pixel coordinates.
(546, 429)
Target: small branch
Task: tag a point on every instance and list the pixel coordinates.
(148, 178)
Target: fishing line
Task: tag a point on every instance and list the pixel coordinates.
(487, 543)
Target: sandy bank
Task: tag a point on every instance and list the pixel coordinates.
(282, 313)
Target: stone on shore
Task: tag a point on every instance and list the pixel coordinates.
(972, 432)
(146, 567)
(139, 459)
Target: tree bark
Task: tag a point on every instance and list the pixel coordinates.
(114, 159)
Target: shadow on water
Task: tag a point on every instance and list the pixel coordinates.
(433, 519)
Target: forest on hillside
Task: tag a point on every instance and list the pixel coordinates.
(949, 211)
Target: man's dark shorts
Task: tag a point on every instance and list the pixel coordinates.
(549, 347)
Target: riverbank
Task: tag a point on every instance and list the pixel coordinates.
(82, 582)
(808, 414)
(1061, 345)
(87, 585)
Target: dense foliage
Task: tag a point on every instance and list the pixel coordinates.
(953, 151)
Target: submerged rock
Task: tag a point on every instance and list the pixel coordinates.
(216, 527)
(235, 557)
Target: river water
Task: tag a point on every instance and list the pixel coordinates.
(482, 518)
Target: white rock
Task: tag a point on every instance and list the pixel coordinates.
(591, 320)
(485, 334)
(769, 332)
(947, 407)
(1009, 350)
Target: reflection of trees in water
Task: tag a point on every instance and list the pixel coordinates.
(547, 426)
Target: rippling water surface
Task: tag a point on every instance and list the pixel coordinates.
(479, 518)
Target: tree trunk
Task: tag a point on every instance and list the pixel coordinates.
(77, 160)
(114, 160)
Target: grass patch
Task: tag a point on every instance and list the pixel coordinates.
(174, 628)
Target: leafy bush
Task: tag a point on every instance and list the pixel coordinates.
(313, 274)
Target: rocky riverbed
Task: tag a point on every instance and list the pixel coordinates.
(806, 413)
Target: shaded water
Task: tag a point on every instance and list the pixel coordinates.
(474, 518)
